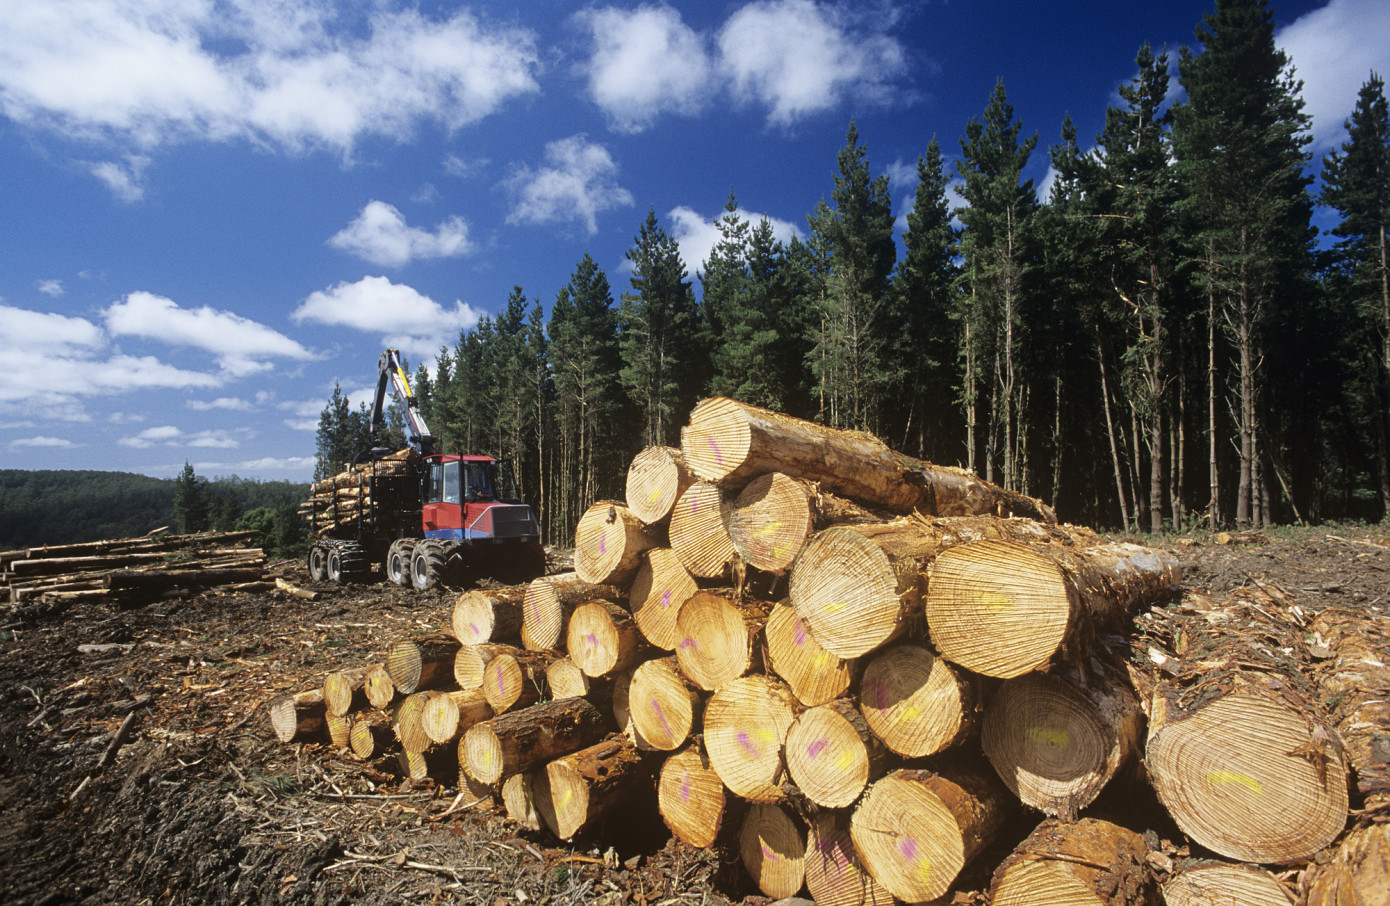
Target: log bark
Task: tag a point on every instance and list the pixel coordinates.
(381, 691)
(521, 740)
(834, 874)
(832, 755)
(917, 703)
(915, 830)
(160, 580)
(815, 675)
(745, 726)
(663, 703)
(1352, 650)
(661, 586)
(576, 790)
(857, 586)
(690, 797)
(773, 848)
(416, 665)
(447, 715)
(698, 531)
(516, 680)
(716, 636)
(1086, 863)
(1002, 608)
(608, 544)
(488, 616)
(656, 478)
(603, 638)
(345, 691)
(730, 443)
(774, 516)
(1207, 883)
(518, 795)
(548, 604)
(1357, 872)
(1057, 739)
(297, 716)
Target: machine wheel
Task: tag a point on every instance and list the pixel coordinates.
(335, 566)
(318, 562)
(398, 562)
(427, 565)
(352, 562)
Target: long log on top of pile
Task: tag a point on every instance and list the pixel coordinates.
(728, 442)
(1240, 749)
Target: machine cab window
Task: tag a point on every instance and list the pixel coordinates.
(442, 483)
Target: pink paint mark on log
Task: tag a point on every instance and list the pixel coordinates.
(688, 643)
(661, 716)
(718, 456)
(743, 741)
(474, 627)
(768, 853)
(815, 748)
(685, 788)
(603, 544)
(908, 847)
(593, 640)
(875, 693)
(501, 678)
(800, 633)
(666, 598)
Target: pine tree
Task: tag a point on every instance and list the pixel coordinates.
(343, 434)
(191, 503)
(1356, 182)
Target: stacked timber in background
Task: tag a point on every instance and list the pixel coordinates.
(339, 505)
(132, 571)
(865, 671)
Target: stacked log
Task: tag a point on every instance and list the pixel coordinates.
(945, 666)
(388, 485)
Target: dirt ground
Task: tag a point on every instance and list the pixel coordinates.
(201, 805)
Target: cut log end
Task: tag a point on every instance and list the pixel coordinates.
(845, 589)
(297, 716)
(662, 585)
(815, 675)
(830, 753)
(1086, 863)
(745, 724)
(691, 797)
(698, 533)
(608, 544)
(655, 478)
(714, 648)
(662, 703)
(773, 850)
(915, 702)
(1214, 884)
(834, 874)
(771, 521)
(717, 439)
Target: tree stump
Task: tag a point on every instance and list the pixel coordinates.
(576, 790)
(745, 724)
(662, 585)
(1088, 863)
(521, 740)
(690, 797)
(656, 477)
(815, 675)
(773, 849)
(915, 702)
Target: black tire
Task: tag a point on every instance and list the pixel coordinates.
(335, 567)
(426, 565)
(318, 562)
(398, 563)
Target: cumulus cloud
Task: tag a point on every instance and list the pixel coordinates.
(49, 333)
(292, 75)
(227, 403)
(405, 318)
(51, 288)
(125, 179)
(380, 235)
(41, 440)
(800, 57)
(170, 436)
(577, 182)
(644, 62)
(1334, 50)
(697, 234)
(242, 346)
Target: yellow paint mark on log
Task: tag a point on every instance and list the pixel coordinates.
(1244, 780)
(1053, 737)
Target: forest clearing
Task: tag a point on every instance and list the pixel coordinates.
(142, 761)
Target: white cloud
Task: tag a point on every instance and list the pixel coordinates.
(304, 414)
(577, 182)
(51, 288)
(51, 334)
(462, 169)
(170, 436)
(242, 346)
(697, 234)
(380, 235)
(644, 62)
(42, 441)
(228, 403)
(295, 75)
(407, 319)
(1334, 50)
(800, 57)
(125, 180)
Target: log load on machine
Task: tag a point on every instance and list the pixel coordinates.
(427, 517)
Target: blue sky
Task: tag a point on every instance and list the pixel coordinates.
(213, 210)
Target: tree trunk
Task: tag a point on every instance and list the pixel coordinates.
(521, 740)
(661, 587)
(576, 790)
(815, 675)
(1217, 884)
(656, 478)
(690, 797)
(715, 635)
(381, 691)
(832, 755)
(746, 723)
(603, 638)
(915, 830)
(416, 665)
(775, 515)
(773, 849)
(1003, 609)
(917, 703)
(699, 533)
(1353, 648)
(1088, 862)
(548, 604)
(488, 616)
(663, 703)
(297, 716)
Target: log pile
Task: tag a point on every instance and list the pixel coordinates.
(132, 571)
(373, 490)
(863, 673)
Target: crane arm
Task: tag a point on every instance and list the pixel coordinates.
(390, 371)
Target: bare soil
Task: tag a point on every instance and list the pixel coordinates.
(202, 805)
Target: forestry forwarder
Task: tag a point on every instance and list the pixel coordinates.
(450, 514)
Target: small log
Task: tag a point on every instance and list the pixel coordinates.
(1087, 863)
(470, 662)
(518, 795)
(1003, 609)
(745, 725)
(381, 691)
(1208, 883)
(608, 544)
(370, 734)
(815, 675)
(521, 740)
(775, 515)
(915, 830)
(409, 721)
(488, 616)
(622, 686)
(564, 679)
(296, 716)
(432, 764)
(656, 477)
(602, 638)
(548, 603)
(773, 849)
(698, 531)
(1352, 650)
(345, 691)
(1056, 739)
(339, 727)
(160, 580)
(832, 755)
(1356, 874)
(451, 713)
(662, 703)
(416, 665)
(576, 790)
(715, 644)
(917, 703)
(690, 797)
(515, 679)
(295, 591)
(834, 874)
(662, 585)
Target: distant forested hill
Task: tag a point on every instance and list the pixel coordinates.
(59, 507)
